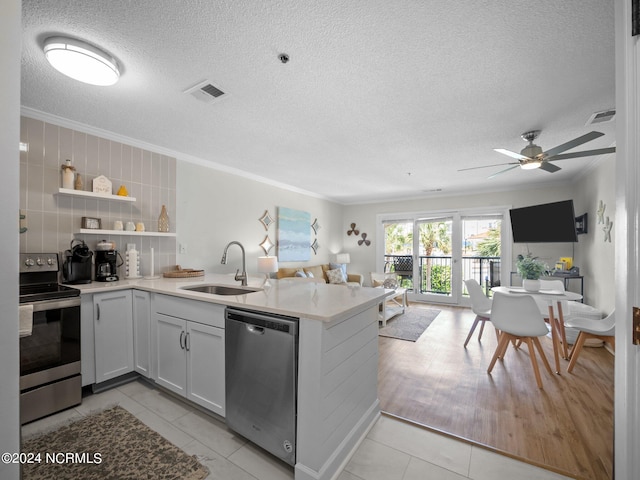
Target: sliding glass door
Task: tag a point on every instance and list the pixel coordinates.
(436, 265)
(482, 250)
(432, 254)
(398, 251)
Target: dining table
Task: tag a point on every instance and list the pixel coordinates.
(550, 301)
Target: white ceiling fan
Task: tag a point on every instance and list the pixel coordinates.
(532, 156)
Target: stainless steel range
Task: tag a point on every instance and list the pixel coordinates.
(50, 378)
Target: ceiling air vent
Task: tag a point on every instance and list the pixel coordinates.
(602, 117)
(206, 92)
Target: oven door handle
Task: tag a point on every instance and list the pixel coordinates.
(55, 304)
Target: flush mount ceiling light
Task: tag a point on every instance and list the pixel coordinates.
(81, 61)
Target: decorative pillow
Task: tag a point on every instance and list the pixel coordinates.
(336, 276)
(300, 273)
(310, 275)
(390, 283)
(341, 266)
(378, 283)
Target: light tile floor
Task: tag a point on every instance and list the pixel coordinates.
(392, 450)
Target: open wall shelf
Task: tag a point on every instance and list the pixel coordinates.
(93, 231)
(100, 196)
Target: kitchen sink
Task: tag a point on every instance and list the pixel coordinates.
(221, 289)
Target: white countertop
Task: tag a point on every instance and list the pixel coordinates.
(317, 301)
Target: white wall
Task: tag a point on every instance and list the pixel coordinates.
(10, 30)
(214, 208)
(597, 257)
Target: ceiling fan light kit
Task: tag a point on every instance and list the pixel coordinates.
(531, 165)
(532, 156)
(81, 61)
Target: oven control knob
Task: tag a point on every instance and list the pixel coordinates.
(29, 262)
(49, 261)
(39, 262)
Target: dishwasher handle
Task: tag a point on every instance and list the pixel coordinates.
(254, 329)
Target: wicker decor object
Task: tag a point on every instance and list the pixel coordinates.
(180, 272)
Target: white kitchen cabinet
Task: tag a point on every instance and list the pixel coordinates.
(205, 366)
(171, 358)
(189, 355)
(142, 333)
(113, 330)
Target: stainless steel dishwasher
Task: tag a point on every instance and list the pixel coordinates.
(261, 363)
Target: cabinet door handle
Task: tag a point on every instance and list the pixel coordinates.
(181, 339)
(98, 311)
(187, 342)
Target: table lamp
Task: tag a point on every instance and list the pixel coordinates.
(343, 258)
(267, 265)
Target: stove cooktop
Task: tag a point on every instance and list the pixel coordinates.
(37, 293)
(39, 278)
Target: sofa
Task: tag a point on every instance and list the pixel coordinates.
(320, 273)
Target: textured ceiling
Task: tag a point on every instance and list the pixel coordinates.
(380, 100)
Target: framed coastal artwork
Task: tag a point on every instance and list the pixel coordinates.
(294, 235)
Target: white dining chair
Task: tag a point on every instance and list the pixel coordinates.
(518, 319)
(480, 305)
(599, 329)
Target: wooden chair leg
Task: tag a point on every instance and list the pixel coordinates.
(563, 334)
(612, 341)
(575, 351)
(534, 363)
(551, 320)
(505, 346)
(504, 340)
(536, 342)
(473, 327)
(481, 330)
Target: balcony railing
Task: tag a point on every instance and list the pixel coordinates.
(435, 272)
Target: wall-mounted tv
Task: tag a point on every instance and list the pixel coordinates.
(546, 223)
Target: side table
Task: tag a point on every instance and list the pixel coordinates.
(394, 303)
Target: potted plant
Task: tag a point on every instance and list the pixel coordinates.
(530, 269)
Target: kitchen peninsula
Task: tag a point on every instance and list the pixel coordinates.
(337, 398)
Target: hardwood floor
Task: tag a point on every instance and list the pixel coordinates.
(567, 426)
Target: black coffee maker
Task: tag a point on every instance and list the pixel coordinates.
(76, 268)
(106, 262)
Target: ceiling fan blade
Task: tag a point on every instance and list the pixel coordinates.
(502, 171)
(549, 167)
(573, 143)
(487, 166)
(586, 153)
(511, 154)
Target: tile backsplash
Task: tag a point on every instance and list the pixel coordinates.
(53, 220)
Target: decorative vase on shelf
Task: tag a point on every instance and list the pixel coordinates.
(78, 183)
(68, 174)
(163, 220)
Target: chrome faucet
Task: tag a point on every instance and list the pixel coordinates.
(242, 277)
